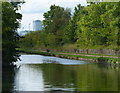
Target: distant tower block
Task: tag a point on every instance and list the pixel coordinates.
(37, 25)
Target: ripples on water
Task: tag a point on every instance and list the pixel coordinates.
(44, 73)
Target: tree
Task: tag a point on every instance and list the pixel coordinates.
(99, 25)
(94, 26)
(70, 34)
(10, 23)
(56, 19)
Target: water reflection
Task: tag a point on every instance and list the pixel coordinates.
(31, 59)
(81, 77)
(7, 79)
(38, 59)
(29, 78)
(52, 73)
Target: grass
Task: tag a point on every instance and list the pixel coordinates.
(88, 54)
(30, 51)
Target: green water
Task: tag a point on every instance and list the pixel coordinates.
(50, 74)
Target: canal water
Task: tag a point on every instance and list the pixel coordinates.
(44, 73)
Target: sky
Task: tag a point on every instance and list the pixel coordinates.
(34, 10)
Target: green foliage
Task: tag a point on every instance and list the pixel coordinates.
(10, 23)
(95, 26)
(108, 60)
(38, 39)
(70, 31)
(56, 19)
(99, 25)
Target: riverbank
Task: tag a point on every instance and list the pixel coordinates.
(99, 58)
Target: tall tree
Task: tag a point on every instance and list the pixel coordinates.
(99, 26)
(71, 28)
(56, 19)
(10, 23)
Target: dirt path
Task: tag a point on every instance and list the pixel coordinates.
(90, 55)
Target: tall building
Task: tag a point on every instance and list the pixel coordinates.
(37, 25)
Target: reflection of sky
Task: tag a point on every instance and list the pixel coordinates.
(29, 79)
(63, 61)
(38, 59)
(63, 77)
(34, 9)
(31, 59)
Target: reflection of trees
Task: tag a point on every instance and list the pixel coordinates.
(82, 77)
(96, 79)
(119, 81)
(57, 75)
(7, 79)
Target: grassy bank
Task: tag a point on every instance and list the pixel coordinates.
(107, 59)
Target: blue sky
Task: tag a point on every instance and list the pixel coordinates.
(34, 9)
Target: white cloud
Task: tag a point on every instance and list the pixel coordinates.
(35, 6)
(69, 3)
(34, 9)
(28, 19)
(40, 6)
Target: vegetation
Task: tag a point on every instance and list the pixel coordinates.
(56, 19)
(95, 26)
(91, 57)
(10, 23)
(99, 26)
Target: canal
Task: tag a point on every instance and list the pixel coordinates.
(44, 73)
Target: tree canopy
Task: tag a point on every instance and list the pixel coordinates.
(10, 23)
(94, 26)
